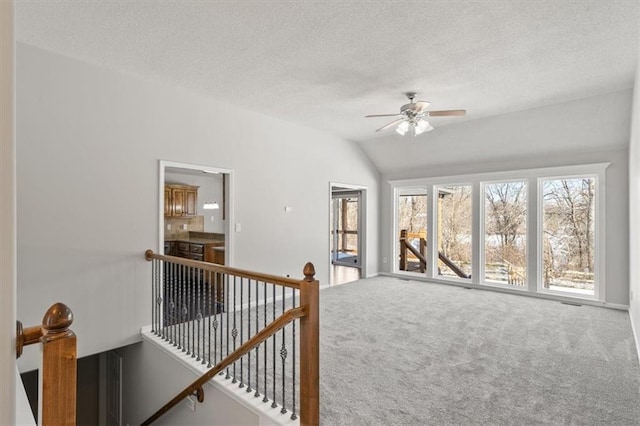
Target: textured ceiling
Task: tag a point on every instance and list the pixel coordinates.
(327, 64)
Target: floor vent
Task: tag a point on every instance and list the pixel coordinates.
(571, 303)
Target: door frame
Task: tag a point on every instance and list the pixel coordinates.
(230, 214)
(362, 223)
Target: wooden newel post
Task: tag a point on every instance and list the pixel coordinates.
(57, 381)
(403, 250)
(310, 349)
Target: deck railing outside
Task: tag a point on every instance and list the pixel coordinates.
(257, 330)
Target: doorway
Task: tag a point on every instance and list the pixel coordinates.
(196, 208)
(346, 233)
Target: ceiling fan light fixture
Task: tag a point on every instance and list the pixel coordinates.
(412, 117)
(402, 128)
(421, 127)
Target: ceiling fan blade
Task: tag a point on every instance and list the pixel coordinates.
(451, 112)
(393, 123)
(381, 115)
(420, 106)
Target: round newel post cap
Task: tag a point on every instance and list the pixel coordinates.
(309, 271)
(58, 318)
(148, 254)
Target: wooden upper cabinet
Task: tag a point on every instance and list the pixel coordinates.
(167, 201)
(190, 206)
(183, 200)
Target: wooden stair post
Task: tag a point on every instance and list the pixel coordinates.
(57, 377)
(310, 349)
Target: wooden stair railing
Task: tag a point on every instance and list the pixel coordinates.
(58, 376)
(307, 312)
(405, 245)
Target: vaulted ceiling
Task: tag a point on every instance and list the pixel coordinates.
(327, 64)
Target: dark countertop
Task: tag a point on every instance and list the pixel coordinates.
(198, 240)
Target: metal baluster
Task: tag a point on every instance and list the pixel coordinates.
(265, 399)
(215, 326)
(249, 336)
(283, 355)
(192, 307)
(221, 322)
(257, 394)
(177, 307)
(234, 332)
(167, 310)
(225, 306)
(241, 328)
(165, 303)
(274, 404)
(153, 293)
(198, 318)
(181, 316)
(185, 314)
(205, 309)
(158, 289)
(172, 308)
(211, 314)
(157, 301)
(175, 286)
(293, 359)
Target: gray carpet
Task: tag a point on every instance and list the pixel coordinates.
(397, 352)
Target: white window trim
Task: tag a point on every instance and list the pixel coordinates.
(534, 224)
(483, 234)
(599, 243)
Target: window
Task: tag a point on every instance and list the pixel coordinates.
(528, 230)
(568, 234)
(412, 229)
(454, 231)
(505, 233)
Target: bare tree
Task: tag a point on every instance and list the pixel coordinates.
(569, 228)
(506, 208)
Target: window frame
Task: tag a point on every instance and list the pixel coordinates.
(598, 226)
(534, 260)
(482, 224)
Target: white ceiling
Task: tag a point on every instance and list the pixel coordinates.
(327, 64)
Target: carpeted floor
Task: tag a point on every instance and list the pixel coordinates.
(396, 352)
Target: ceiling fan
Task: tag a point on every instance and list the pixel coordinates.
(413, 116)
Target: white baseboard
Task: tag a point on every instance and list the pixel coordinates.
(616, 306)
(635, 334)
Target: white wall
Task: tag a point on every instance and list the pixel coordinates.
(634, 211)
(144, 391)
(509, 142)
(7, 218)
(88, 144)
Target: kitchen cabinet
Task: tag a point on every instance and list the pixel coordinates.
(180, 200)
(170, 248)
(214, 253)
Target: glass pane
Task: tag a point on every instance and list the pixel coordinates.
(569, 235)
(412, 229)
(506, 233)
(454, 231)
(344, 244)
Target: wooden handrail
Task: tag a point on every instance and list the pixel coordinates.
(214, 267)
(455, 268)
(264, 334)
(412, 249)
(405, 245)
(58, 375)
